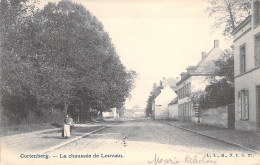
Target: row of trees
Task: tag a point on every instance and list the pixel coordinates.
(55, 57)
(156, 90)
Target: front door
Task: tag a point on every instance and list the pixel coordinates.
(258, 104)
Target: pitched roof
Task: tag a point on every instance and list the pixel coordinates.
(174, 101)
(241, 25)
(206, 65)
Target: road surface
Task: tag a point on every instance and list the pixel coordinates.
(147, 142)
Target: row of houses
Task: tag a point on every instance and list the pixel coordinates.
(174, 102)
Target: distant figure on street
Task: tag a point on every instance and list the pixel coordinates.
(66, 127)
(71, 123)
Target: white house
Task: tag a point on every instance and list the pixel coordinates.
(195, 79)
(247, 71)
(161, 102)
(135, 112)
(111, 114)
(173, 109)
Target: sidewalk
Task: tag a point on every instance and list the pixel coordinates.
(246, 140)
(41, 141)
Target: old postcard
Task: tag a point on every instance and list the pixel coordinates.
(130, 82)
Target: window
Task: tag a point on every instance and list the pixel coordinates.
(242, 59)
(190, 104)
(256, 13)
(189, 89)
(243, 105)
(257, 50)
(185, 93)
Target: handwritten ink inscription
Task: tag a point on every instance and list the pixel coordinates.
(188, 159)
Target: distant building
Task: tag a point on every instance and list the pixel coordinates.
(135, 112)
(195, 79)
(161, 102)
(110, 114)
(247, 71)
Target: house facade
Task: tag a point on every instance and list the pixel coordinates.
(135, 112)
(247, 71)
(195, 79)
(110, 114)
(173, 109)
(161, 102)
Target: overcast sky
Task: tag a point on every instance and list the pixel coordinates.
(155, 38)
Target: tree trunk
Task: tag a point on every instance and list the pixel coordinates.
(231, 17)
(66, 105)
(90, 114)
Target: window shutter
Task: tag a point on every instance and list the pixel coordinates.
(255, 13)
(187, 87)
(187, 109)
(257, 50)
(190, 109)
(190, 88)
(184, 109)
(258, 11)
(246, 113)
(184, 91)
(257, 4)
(239, 105)
(244, 59)
(241, 60)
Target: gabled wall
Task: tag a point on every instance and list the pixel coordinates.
(162, 101)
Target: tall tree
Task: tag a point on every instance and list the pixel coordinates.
(16, 74)
(225, 66)
(220, 91)
(228, 13)
(60, 55)
(156, 90)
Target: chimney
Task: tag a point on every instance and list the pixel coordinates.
(203, 55)
(183, 75)
(164, 82)
(216, 43)
(177, 79)
(191, 69)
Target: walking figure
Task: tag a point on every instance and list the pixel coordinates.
(66, 127)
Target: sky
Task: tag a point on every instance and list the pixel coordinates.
(156, 38)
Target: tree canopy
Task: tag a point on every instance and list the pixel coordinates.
(220, 91)
(59, 55)
(225, 66)
(228, 13)
(156, 90)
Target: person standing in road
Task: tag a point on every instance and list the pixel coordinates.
(66, 127)
(71, 123)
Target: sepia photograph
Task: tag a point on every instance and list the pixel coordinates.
(129, 82)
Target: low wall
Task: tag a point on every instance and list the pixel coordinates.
(215, 116)
(173, 111)
(161, 112)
